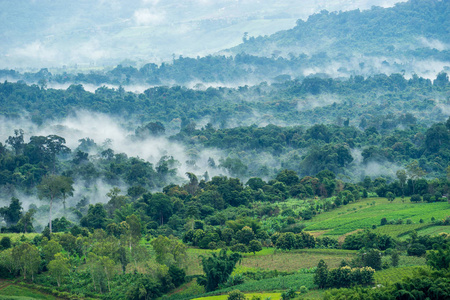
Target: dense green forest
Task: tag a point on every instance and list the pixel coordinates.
(281, 185)
(347, 126)
(141, 239)
(372, 32)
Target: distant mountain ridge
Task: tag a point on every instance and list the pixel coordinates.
(409, 38)
(402, 29)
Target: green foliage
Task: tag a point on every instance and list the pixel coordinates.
(217, 269)
(395, 257)
(367, 239)
(390, 196)
(59, 267)
(26, 259)
(5, 243)
(372, 258)
(415, 198)
(55, 187)
(416, 249)
(321, 275)
(288, 294)
(169, 251)
(346, 276)
(254, 246)
(51, 249)
(439, 259)
(236, 295)
(12, 213)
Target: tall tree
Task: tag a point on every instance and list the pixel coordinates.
(217, 269)
(26, 259)
(16, 141)
(52, 188)
(415, 172)
(401, 175)
(59, 267)
(12, 213)
(169, 251)
(320, 277)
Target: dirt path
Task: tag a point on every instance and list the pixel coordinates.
(4, 284)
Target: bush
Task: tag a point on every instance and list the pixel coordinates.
(236, 295)
(239, 248)
(416, 249)
(5, 243)
(346, 276)
(383, 221)
(254, 246)
(303, 289)
(395, 257)
(415, 198)
(427, 198)
(288, 294)
(372, 258)
(235, 280)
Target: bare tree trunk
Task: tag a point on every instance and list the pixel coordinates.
(107, 280)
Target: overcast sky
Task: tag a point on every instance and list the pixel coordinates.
(53, 33)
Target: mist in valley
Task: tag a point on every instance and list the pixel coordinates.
(92, 34)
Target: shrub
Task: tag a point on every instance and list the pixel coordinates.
(346, 276)
(372, 258)
(254, 246)
(235, 280)
(239, 248)
(321, 275)
(5, 243)
(427, 198)
(416, 249)
(395, 257)
(288, 294)
(236, 295)
(383, 221)
(303, 289)
(415, 198)
(390, 196)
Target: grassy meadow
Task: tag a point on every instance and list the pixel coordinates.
(367, 212)
(299, 264)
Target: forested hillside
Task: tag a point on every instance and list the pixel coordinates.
(393, 32)
(313, 163)
(411, 38)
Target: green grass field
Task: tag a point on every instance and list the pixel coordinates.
(403, 230)
(393, 275)
(272, 259)
(280, 283)
(294, 260)
(248, 296)
(434, 230)
(15, 292)
(367, 212)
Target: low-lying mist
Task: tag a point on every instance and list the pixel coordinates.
(106, 132)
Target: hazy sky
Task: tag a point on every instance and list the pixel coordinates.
(52, 33)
